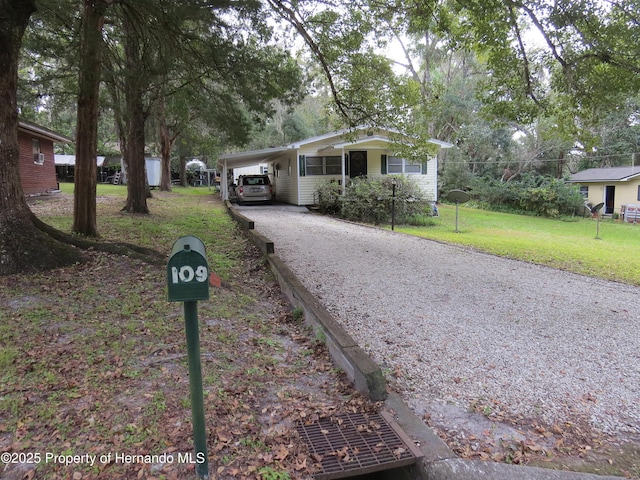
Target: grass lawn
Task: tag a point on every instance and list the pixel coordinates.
(568, 244)
(93, 356)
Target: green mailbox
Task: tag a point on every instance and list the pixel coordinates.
(187, 271)
(188, 282)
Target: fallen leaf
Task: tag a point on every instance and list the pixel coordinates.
(282, 452)
(399, 451)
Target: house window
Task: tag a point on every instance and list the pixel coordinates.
(584, 191)
(638, 192)
(38, 157)
(324, 165)
(400, 165)
(333, 165)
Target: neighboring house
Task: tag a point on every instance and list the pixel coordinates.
(297, 169)
(616, 187)
(37, 167)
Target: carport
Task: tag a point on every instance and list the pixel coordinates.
(226, 163)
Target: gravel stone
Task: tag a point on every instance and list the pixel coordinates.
(459, 327)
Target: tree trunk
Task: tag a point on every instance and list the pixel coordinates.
(23, 246)
(165, 152)
(134, 91)
(84, 207)
(560, 166)
(166, 143)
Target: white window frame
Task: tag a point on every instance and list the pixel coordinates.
(405, 167)
(323, 165)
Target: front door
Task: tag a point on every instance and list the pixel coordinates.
(357, 164)
(609, 199)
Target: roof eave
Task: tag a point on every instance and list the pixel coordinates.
(265, 151)
(43, 132)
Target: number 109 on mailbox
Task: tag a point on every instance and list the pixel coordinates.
(187, 271)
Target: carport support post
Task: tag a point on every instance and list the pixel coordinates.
(195, 384)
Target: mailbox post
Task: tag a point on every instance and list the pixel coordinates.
(188, 282)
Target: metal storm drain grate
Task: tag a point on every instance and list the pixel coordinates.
(356, 444)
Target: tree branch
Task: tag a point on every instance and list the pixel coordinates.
(541, 29)
(290, 16)
(525, 58)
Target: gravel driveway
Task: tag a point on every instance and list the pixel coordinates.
(461, 329)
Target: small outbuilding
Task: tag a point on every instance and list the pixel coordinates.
(616, 187)
(296, 170)
(66, 166)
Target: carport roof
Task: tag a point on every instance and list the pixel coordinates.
(245, 159)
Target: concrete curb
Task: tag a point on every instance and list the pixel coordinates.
(439, 461)
(458, 469)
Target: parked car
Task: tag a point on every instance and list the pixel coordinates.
(254, 188)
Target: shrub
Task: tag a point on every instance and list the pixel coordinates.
(328, 197)
(538, 195)
(369, 200)
(424, 219)
(366, 200)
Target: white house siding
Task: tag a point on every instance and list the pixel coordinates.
(309, 183)
(309, 186)
(429, 181)
(427, 187)
(285, 179)
(374, 161)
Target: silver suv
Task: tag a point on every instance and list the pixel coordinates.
(254, 188)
